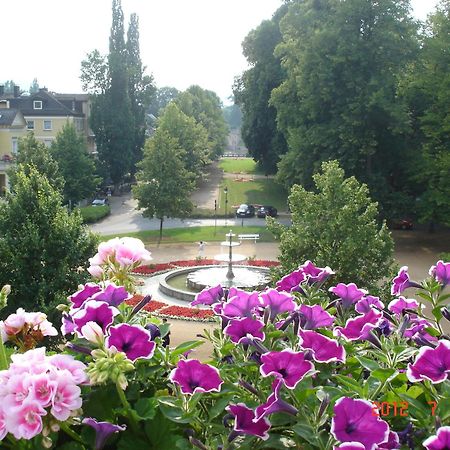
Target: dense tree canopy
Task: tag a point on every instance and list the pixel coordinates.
(76, 166)
(206, 108)
(164, 185)
(161, 99)
(340, 99)
(336, 226)
(42, 246)
(253, 90)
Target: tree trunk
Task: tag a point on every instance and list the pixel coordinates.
(161, 220)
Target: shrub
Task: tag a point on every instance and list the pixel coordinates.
(91, 214)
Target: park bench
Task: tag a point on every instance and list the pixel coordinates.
(247, 237)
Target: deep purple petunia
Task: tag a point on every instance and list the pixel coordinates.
(133, 340)
(243, 421)
(417, 329)
(274, 403)
(192, 376)
(398, 305)
(367, 303)
(431, 364)
(359, 327)
(350, 446)
(241, 304)
(402, 282)
(348, 293)
(441, 272)
(312, 317)
(440, 441)
(292, 281)
(208, 296)
(112, 294)
(94, 311)
(392, 442)
(315, 274)
(323, 349)
(287, 365)
(277, 302)
(353, 421)
(102, 431)
(88, 290)
(240, 329)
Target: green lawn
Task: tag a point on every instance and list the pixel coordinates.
(239, 165)
(258, 192)
(196, 234)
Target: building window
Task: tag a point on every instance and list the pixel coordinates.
(47, 125)
(48, 142)
(14, 145)
(30, 124)
(37, 104)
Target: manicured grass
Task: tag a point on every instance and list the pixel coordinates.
(239, 165)
(91, 214)
(195, 234)
(258, 192)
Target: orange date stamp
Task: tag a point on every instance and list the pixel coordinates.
(384, 409)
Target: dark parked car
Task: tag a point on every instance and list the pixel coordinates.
(245, 211)
(401, 224)
(264, 211)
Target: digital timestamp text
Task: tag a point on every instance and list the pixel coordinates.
(384, 409)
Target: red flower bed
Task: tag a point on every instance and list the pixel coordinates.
(154, 306)
(154, 268)
(263, 263)
(183, 311)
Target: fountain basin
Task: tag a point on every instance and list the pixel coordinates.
(200, 277)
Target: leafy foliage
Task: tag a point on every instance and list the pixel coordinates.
(75, 165)
(42, 245)
(336, 226)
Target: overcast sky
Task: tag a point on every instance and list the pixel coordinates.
(183, 42)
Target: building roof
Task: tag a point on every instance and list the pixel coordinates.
(7, 116)
(51, 106)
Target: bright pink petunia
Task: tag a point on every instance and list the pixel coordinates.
(348, 293)
(312, 317)
(323, 349)
(398, 305)
(359, 327)
(402, 282)
(277, 302)
(274, 403)
(244, 421)
(441, 272)
(241, 304)
(241, 330)
(133, 340)
(367, 303)
(440, 441)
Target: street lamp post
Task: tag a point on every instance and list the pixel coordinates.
(226, 203)
(215, 216)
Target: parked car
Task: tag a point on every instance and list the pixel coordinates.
(264, 211)
(245, 211)
(99, 202)
(400, 224)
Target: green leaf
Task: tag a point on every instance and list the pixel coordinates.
(367, 363)
(218, 407)
(146, 408)
(306, 432)
(184, 347)
(384, 374)
(350, 383)
(437, 313)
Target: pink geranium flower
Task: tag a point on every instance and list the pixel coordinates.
(25, 421)
(67, 397)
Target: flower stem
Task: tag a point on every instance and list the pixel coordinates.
(127, 408)
(71, 433)
(3, 358)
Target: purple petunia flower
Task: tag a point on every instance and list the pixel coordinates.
(398, 305)
(274, 403)
(208, 296)
(323, 349)
(402, 282)
(192, 376)
(392, 442)
(292, 281)
(241, 329)
(353, 421)
(348, 293)
(315, 274)
(368, 302)
(350, 446)
(94, 311)
(241, 304)
(243, 421)
(83, 294)
(133, 340)
(440, 441)
(417, 329)
(287, 365)
(441, 272)
(359, 327)
(112, 294)
(102, 431)
(431, 364)
(312, 317)
(277, 302)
